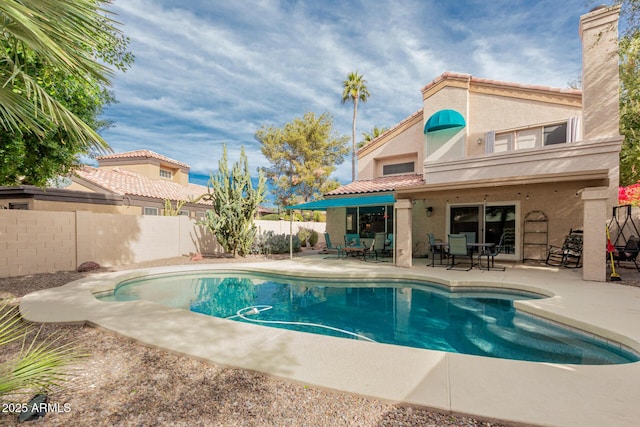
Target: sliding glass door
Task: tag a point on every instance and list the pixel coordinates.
(487, 223)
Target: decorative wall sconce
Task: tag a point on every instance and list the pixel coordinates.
(429, 210)
(479, 140)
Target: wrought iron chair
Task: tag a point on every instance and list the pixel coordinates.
(569, 254)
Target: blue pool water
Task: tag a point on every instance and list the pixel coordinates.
(414, 314)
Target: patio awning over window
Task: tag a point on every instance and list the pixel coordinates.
(444, 119)
(341, 202)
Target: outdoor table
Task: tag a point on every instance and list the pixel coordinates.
(473, 246)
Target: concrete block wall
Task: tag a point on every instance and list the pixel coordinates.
(34, 242)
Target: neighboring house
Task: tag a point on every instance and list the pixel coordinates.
(136, 182)
(503, 160)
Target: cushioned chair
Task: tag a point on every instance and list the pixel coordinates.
(331, 247)
(458, 248)
(388, 244)
(628, 252)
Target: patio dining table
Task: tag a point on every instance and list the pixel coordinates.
(472, 246)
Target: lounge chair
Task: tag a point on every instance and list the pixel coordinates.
(628, 252)
(331, 247)
(569, 254)
(458, 248)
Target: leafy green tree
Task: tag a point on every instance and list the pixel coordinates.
(367, 137)
(54, 75)
(303, 154)
(630, 109)
(235, 204)
(354, 89)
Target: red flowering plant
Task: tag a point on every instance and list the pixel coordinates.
(629, 195)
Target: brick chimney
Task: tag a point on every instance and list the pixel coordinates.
(600, 80)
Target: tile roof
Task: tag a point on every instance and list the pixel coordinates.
(123, 182)
(144, 154)
(455, 75)
(376, 185)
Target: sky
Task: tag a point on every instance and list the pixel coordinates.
(210, 73)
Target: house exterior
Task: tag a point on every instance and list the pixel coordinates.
(134, 183)
(521, 163)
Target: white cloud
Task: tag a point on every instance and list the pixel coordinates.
(212, 72)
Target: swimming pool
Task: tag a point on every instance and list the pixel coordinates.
(399, 312)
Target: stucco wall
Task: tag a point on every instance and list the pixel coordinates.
(561, 202)
(404, 146)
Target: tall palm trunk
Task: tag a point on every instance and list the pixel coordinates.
(353, 139)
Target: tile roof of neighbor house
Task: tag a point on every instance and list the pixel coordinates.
(142, 154)
(376, 185)
(121, 181)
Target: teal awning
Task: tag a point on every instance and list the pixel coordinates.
(444, 119)
(341, 202)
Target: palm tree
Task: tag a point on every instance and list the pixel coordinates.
(355, 89)
(367, 137)
(52, 31)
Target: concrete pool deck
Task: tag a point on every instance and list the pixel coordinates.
(510, 390)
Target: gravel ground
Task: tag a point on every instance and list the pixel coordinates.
(124, 383)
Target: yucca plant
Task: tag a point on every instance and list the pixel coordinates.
(40, 365)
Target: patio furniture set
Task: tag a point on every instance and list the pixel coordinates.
(463, 245)
(353, 246)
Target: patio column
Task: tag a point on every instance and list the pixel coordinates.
(594, 261)
(403, 243)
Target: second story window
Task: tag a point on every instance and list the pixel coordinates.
(166, 173)
(532, 137)
(397, 168)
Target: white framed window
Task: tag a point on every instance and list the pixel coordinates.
(184, 212)
(150, 211)
(166, 173)
(533, 136)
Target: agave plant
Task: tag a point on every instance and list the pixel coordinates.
(40, 364)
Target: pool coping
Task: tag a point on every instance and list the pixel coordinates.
(516, 391)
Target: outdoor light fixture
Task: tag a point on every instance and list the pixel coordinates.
(429, 210)
(479, 140)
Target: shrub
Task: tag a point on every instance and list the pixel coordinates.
(271, 243)
(313, 239)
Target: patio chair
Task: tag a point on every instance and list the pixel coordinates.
(378, 246)
(569, 254)
(458, 248)
(628, 252)
(491, 253)
(436, 248)
(388, 244)
(333, 248)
